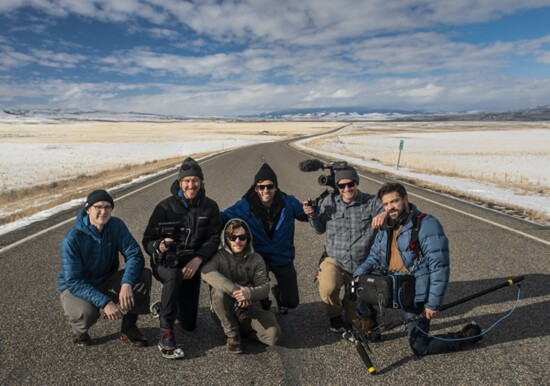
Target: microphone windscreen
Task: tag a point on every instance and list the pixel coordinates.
(310, 165)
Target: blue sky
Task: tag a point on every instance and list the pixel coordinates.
(228, 58)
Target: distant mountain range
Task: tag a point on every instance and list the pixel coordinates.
(541, 113)
(83, 115)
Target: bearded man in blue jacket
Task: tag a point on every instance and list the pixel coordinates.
(427, 258)
(270, 214)
(90, 279)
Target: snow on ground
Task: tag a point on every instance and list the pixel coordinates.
(28, 164)
(506, 165)
(499, 163)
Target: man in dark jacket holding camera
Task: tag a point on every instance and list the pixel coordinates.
(176, 263)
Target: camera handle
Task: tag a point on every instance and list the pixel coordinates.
(321, 197)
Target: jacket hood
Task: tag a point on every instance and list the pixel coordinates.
(82, 223)
(249, 248)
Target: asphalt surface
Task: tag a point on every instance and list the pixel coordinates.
(486, 249)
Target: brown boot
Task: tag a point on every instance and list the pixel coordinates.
(234, 345)
(130, 332)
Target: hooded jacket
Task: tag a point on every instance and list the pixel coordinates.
(200, 215)
(88, 258)
(277, 250)
(432, 271)
(225, 270)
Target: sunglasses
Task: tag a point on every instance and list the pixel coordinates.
(235, 237)
(268, 187)
(348, 184)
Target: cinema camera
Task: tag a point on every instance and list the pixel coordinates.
(178, 253)
(312, 165)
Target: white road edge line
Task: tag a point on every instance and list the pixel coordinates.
(468, 214)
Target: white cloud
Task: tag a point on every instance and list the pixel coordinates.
(140, 60)
(305, 22)
(256, 55)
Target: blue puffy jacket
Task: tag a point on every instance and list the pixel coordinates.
(279, 250)
(88, 258)
(431, 272)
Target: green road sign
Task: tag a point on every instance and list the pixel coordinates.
(401, 144)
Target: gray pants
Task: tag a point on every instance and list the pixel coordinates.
(261, 324)
(82, 315)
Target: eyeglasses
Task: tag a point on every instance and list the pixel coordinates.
(235, 237)
(106, 208)
(348, 184)
(268, 187)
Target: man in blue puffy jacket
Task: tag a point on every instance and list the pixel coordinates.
(427, 258)
(270, 214)
(90, 278)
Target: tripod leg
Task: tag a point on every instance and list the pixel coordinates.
(365, 357)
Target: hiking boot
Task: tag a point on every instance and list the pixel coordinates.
(167, 344)
(337, 325)
(133, 335)
(470, 334)
(130, 332)
(368, 326)
(277, 295)
(82, 340)
(234, 345)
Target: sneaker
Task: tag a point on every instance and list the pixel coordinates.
(470, 334)
(234, 345)
(167, 344)
(337, 325)
(133, 334)
(368, 326)
(277, 294)
(82, 340)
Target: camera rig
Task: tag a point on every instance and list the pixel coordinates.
(312, 165)
(178, 253)
(361, 342)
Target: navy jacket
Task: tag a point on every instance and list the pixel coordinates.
(279, 250)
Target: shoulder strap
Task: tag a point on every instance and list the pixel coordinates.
(414, 243)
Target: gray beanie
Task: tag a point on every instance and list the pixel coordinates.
(347, 173)
(98, 195)
(190, 167)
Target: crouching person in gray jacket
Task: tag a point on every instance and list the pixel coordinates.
(238, 281)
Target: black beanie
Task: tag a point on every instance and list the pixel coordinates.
(190, 167)
(347, 173)
(98, 195)
(265, 173)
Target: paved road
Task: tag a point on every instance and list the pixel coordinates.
(35, 346)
